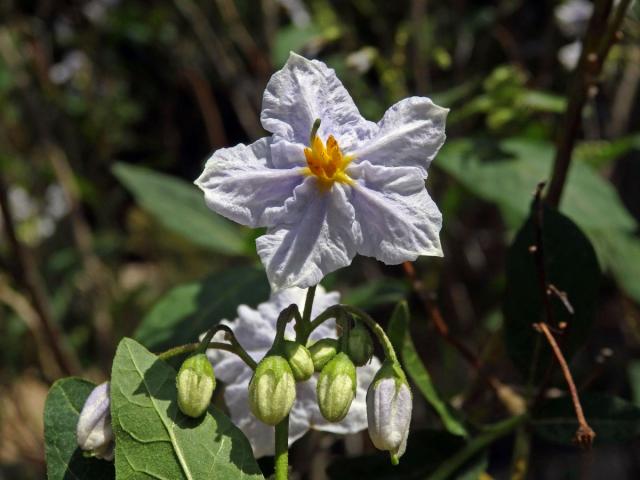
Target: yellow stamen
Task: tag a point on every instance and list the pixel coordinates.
(327, 163)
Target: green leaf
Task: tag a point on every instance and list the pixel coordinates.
(154, 439)
(620, 251)
(571, 266)
(398, 331)
(293, 38)
(377, 292)
(180, 207)
(61, 411)
(507, 175)
(189, 310)
(612, 418)
(425, 451)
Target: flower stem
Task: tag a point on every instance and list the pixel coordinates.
(303, 325)
(192, 347)
(282, 450)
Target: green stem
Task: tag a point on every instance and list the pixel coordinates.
(376, 329)
(304, 326)
(192, 347)
(282, 450)
(450, 466)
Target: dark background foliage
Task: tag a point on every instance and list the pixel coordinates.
(109, 108)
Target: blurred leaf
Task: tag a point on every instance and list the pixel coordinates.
(600, 153)
(543, 101)
(293, 38)
(612, 418)
(517, 166)
(189, 310)
(154, 439)
(425, 451)
(571, 266)
(633, 372)
(400, 336)
(61, 411)
(621, 254)
(180, 207)
(377, 292)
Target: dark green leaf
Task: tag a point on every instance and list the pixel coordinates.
(154, 439)
(398, 331)
(571, 266)
(425, 451)
(377, 292)
(612, 418)
(189, 310)
(61, 411)
(179, 206)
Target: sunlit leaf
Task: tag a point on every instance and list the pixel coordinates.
(154, 439)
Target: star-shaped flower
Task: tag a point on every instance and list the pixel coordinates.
(255, 329)
(353, 186)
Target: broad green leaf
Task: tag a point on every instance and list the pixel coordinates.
(508, 174)
(612, 418)
(425, 451)
(61, 411)
(398, 331)
(154, 439)
(293, 38)
(180, 207)
(571, 266)
(621, 254)
(377, 292)
(189, 310)
(600, 153)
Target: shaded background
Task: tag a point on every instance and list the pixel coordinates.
(108, 110)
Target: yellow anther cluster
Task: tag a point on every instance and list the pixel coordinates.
(326, 162)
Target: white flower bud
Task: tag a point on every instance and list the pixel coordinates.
(94, 432)
(272, 390)
(389, 404)
(195, 383)
(336, 388)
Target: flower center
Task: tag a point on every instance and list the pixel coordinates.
(327, 162)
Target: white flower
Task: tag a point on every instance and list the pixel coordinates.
(358, 188)
(255, 330)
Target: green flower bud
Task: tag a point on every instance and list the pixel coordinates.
(336, 387)
(272, 390)
(195, 383)
(322, 351)
(299, 360)
(360, 345)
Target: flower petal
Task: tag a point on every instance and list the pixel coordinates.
(319, 237)
(410, 134)
(241, 184)
(396, 215)
(304, 90)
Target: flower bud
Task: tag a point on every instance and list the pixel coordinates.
(93, 432)
(336, 387)
(389, 404)
(322, 351)
(272, 390)
(299, 360)
(360, 345)
(195, 382)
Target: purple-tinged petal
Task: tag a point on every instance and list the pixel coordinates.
(319, 236)
(410, 134)
(304, 90)
(241, 184)
(396, 215)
